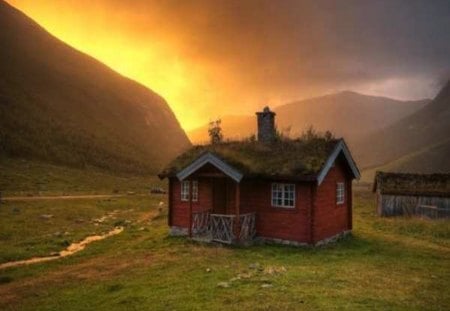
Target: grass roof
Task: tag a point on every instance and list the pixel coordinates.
(413, 184)
(286, 157)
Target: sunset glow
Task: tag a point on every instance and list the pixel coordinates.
(215, 58)
(100, 34)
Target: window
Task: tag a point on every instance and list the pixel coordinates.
(194, 190)
(283, 195)
(185, 190)
(340, 193)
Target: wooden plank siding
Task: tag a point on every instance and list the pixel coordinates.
(179, 210)
(407, 205)
(331, 218)
(276, 222)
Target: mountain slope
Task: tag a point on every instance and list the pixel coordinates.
(427, 127)
(432, 159)
(62, 106)
(347, 114)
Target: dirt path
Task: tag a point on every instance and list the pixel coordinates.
(72, 249)
(63, 197)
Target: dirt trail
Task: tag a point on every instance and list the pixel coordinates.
(72, 249)
(63, 197)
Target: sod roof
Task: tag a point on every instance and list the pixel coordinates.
(284, 158)
(412, 184)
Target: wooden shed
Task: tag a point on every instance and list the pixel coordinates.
(412, 194)
(296, 192)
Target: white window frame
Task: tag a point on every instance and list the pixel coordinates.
(284, 194)
(185, 190)
(194, 190)
(340, 193)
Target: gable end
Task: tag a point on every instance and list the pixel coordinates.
(213, 160)
(341, 147)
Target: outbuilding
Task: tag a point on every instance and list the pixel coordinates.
(287, 191)
(405, 194)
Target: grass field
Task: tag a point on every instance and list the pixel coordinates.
(388, 264)
(31, 178)
(395, 264)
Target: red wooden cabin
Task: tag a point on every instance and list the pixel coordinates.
(285, 191)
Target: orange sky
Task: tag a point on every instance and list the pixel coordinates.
(100, 33)
(212, 58)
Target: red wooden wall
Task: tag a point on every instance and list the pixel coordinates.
(277, 222)
(179, 210)
(329, 217)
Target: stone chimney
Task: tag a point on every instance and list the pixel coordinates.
(266, 125)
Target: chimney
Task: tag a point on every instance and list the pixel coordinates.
(266, 125)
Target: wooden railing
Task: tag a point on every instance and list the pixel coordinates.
(223, 228)
(200, 222)
(248, 227)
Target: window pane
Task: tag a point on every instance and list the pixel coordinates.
(283, 195)
(340, 193)
(194, 190)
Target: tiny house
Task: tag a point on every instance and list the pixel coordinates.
(296, 192)
(401, 194)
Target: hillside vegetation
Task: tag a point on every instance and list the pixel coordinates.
(431, 159)
(62, 106)
(20, 177)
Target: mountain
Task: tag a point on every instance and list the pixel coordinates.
(347, 114)
(426, 128)
(431, 159)
(62, 106)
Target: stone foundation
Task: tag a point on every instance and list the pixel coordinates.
(178, 231)
(335, 238)
(266, 240)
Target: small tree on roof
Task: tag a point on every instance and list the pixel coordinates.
(311, 134)
(215, 131)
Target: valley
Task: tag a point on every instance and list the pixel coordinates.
(85, 219)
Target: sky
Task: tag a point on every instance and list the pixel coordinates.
(210, 58)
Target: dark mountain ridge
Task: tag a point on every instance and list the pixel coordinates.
(428, 126)
(60, 105)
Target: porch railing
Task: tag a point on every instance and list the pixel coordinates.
(223, 228)
(248, 227)
(200, 222)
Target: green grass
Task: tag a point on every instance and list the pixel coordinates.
(24, 178)
(27, 230)
(388, 264)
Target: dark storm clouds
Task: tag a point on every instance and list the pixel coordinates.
(306, 46)
(284, 50)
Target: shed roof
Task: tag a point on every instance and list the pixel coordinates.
(307, 160)
(412, 184)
